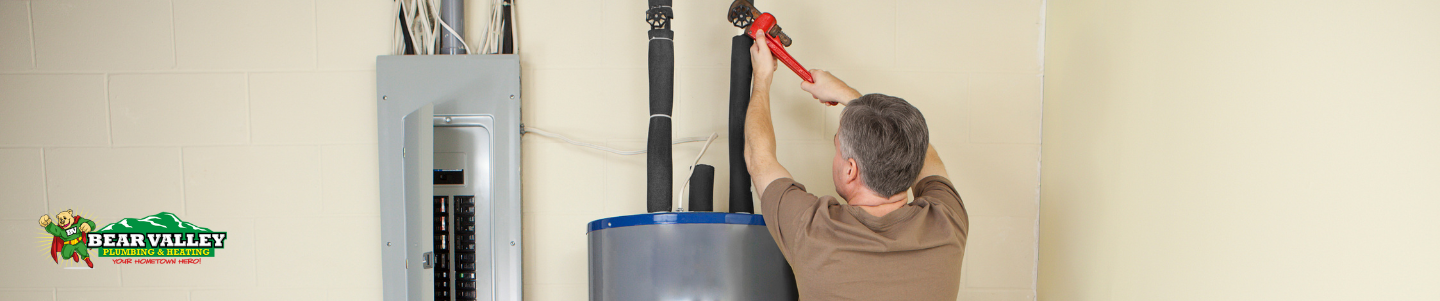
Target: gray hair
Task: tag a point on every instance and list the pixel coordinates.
(888, 139)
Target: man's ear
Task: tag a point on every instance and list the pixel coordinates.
(852, 170)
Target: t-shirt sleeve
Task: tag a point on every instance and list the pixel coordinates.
(939, 190)
(787, 208)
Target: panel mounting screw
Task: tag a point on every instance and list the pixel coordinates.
(512, 96)
(387, 243)
(512, 243)
(385, 97)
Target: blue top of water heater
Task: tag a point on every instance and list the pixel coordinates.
(666, 218)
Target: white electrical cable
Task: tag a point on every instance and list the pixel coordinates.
(497, 35)
(683, 188)
(529, 129)
(686, 187)
(514, 30)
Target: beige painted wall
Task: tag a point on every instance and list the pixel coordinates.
(212, 110)
(1241, 150)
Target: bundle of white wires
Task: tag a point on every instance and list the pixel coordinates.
(494, 29)
(421, 18)
(422, 22)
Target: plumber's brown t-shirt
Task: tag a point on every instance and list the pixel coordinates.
(840, 252)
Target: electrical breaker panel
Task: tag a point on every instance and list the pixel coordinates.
(450, 177)
(455, 244)
(462, 178)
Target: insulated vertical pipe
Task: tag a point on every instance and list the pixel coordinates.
(452, 12)
(659, 169)
(740, 72)
(702, 188)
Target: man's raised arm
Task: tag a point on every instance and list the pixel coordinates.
(760, 157)
(933, 166)
(829, 89)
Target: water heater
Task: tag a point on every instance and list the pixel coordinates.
(686, 256)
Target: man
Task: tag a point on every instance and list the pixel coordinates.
(875, 245)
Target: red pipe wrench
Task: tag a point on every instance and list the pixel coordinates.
(764, 26)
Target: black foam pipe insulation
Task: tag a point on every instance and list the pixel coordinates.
(702, 188)
(658, 172)
(740, 72)
(658, 162)
(507, 44)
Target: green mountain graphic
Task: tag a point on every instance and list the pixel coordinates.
(163, 222)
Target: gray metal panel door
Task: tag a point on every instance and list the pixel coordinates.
(411, 91)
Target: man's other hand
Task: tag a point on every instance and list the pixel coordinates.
(762, 61)
(829, 89)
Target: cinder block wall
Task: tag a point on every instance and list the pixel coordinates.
(252, 117)
(256, 118)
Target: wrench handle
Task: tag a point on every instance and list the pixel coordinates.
(779, 51)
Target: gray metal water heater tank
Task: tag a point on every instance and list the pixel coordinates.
(686, 256)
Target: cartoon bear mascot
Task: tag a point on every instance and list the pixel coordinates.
(69, 231)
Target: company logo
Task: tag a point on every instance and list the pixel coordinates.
(159, 235)
(70, 238)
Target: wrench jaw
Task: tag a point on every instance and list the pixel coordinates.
(779, 35)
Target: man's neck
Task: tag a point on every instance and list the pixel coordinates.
(876, 205)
